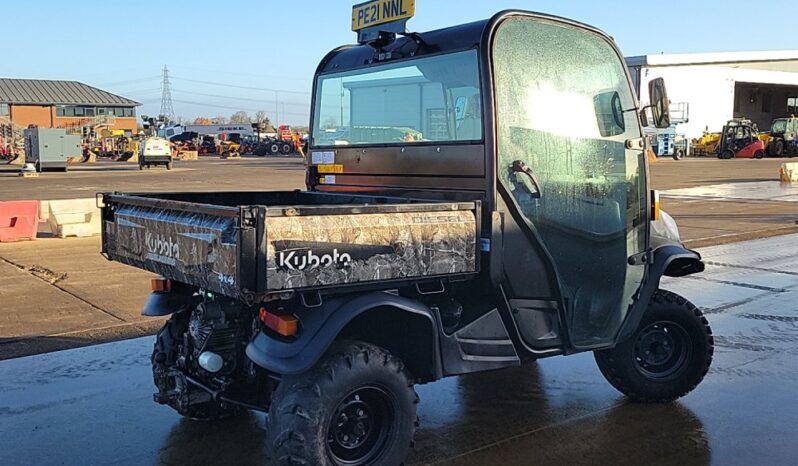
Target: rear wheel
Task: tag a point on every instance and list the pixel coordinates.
(678, 154)
(274, 148)
(286, 148)
(759, 154)
(357, 406)
(668, 355)
(169, 165)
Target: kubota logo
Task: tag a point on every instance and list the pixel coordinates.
(309, 260)
(162, 245)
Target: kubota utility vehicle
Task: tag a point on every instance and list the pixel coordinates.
(513, 221)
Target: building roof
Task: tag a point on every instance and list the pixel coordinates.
(716, 58)
(48, 92)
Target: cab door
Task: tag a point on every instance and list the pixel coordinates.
(571, 174)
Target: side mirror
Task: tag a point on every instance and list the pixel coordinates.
(659, 103)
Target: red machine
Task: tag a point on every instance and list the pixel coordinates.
(739, 140)
(284, 133)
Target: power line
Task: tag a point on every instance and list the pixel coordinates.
(143, 91)
(298, 104)
(227, 107)
(281, 91)
(131, 81)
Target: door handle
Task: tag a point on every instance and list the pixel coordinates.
(518, 166)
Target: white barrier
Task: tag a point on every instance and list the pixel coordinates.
(73, 217)
(788, 172)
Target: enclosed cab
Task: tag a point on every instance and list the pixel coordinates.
(476, 196)
(155, 151)
(783, 137)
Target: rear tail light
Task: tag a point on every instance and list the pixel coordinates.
(284, 324)
(160, 284)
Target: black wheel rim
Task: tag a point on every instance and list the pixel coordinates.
(662, 350)
(361, 426)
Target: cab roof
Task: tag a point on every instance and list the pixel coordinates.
(450, 39)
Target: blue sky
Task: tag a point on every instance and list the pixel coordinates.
(233, 54)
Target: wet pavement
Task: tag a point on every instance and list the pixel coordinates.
(93, 405)
(751, 190)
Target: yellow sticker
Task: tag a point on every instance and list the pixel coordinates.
(336, 168)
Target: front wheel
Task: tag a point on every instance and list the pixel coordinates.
(668, 355)
(776, 148)
(678, 154)
(356, 406)
(727, 154)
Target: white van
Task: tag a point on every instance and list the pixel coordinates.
(155, 151)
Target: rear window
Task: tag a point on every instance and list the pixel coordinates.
(431, 99)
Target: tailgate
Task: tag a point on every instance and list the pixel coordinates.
(330, 246)
(191, 243)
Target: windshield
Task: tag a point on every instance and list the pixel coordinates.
(779, 126)
(427, 99)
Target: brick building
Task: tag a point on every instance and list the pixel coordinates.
(64, 104)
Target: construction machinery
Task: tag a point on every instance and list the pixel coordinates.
(230, 146)
(666, 141)
(740, 139)
(707, 144)
(783, 137)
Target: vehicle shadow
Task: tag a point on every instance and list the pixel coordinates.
(512, 417)
(503, 417)
(240, 440)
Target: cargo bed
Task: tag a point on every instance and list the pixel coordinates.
(248, 245)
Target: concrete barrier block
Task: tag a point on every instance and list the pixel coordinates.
(44, 211)
(74, 217)
(19, 220)
(788, 172)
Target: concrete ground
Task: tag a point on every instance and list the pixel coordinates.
(63, 294)
(738, 199)
(248, 173)
(93, 405)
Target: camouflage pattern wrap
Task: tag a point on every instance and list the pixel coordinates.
(322, 250)
(194, 248)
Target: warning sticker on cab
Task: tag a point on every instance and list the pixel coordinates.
(334, 168)
(327, 157)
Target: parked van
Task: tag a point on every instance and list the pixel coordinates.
(155, 151)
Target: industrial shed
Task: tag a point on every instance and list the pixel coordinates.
(760, 86)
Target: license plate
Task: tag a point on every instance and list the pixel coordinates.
(380, 12)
